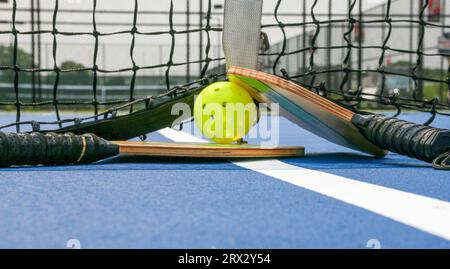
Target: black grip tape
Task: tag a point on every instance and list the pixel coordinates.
(53, 149)
(418, 141)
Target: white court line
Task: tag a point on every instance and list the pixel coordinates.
(424, 213)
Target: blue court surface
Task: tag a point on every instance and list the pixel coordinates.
(331, 198)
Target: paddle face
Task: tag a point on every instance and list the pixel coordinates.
(305, 108)
(241, 32)
(206, 150)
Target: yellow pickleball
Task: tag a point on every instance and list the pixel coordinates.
(224, 112)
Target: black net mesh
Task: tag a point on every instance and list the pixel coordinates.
(21, 98)
(383, 56)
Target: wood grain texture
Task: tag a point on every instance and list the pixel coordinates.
(206, 150)
(307, 109)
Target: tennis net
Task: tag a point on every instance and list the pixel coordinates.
(110, 57)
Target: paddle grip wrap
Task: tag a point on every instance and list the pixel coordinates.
(418, 141)
(53, 149)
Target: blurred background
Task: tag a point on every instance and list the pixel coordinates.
(384, 52)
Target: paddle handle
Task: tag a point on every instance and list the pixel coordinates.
(53, 149)
(418, 141)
